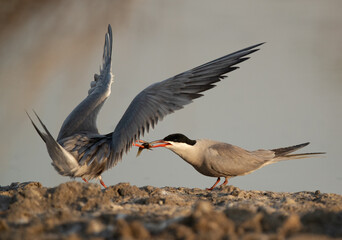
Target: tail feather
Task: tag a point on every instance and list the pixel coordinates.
(298, 156)
(62, 160)
(284, 153)
(286, 150)
(41, 134)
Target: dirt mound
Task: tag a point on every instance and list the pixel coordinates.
(76, 210)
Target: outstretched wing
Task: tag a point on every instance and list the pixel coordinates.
(162, 98)
(83, 117)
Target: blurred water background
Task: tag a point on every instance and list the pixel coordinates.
(288, 93)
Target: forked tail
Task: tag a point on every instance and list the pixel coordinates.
(284, 153)
(62, 160)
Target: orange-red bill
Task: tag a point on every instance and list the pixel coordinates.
(163, 143)
(149, 145)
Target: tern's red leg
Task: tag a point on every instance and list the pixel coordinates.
(85, 180)
(225, 182)
(217, 181)
(102, 183)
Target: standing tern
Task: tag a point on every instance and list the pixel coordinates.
(219, 159)
(81, 151)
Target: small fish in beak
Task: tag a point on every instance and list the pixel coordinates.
(143, 145)
(148, 145)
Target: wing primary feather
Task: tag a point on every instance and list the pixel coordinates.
(162, 98)
(83, 118)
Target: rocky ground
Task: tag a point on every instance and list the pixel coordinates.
(76, 210)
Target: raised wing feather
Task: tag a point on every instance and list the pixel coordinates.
(83, 117)
(162, 98)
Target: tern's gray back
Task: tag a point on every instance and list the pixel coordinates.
(229, 160)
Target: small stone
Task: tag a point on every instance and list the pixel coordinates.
(139, 231)
(3, 225)
(253, 224)
(235, 193)
(291, 225)
(202, 207)
(94, 226)
(14, 184)
(133, 230)
(289, 201)
(182, 232)
(317, 192)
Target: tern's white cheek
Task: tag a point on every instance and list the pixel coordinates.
(181, 149)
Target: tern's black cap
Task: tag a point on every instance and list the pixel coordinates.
(178, 137)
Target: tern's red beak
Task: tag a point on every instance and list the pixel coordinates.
(163, 143)
(148, 145)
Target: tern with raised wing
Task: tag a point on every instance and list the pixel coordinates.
(81, 151)
(219, 159)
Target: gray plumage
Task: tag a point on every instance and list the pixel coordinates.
(218, 159)
(81, 151)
